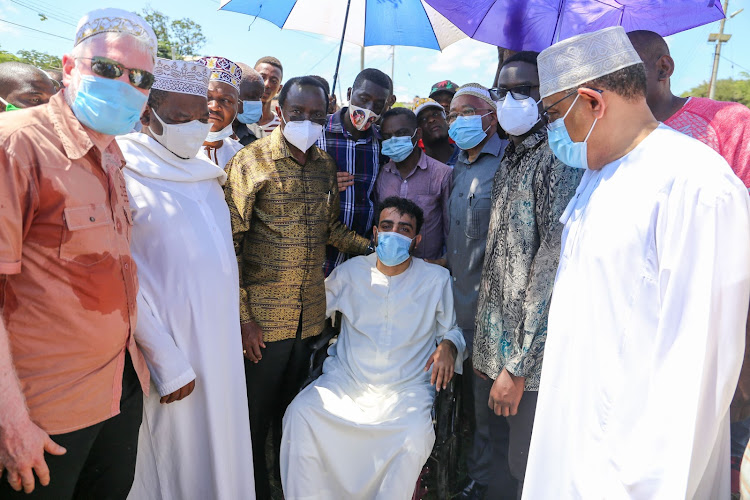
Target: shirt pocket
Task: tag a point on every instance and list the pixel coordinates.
(86, 234)
(478, 218)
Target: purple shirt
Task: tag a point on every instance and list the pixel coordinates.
(429, 186)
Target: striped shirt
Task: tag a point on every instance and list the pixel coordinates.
(362, 159)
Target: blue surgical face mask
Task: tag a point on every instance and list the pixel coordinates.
(393, 248)
(398, 148)
(573, 154)
(467, 131)
(251, 112)
(110, 107)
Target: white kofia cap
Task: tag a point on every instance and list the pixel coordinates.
(583, 58)
(115, 21)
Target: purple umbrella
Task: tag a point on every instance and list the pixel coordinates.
(537, 24)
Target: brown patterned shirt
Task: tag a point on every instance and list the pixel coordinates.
(283, 215)
(67, 282)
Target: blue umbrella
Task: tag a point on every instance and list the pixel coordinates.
(537, 24)
(364, 22)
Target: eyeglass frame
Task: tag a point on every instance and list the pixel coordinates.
(545, 112)
(474, 112)
(122, 70)
(496, 97)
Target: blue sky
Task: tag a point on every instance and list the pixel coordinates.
(239, 38)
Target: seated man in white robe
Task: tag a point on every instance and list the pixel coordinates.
(363, 430)
(194, 440)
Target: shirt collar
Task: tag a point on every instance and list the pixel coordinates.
(529, 143)
(421, 164)
(494, 147)
(74, 137)
(280, 148)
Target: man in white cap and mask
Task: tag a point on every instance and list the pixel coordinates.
(194, 440)
(647, 319)
(223, 107)
(529, 194)
(71, 375)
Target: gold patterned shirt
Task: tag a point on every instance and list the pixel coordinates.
(283, 215)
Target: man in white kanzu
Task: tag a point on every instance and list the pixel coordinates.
(363, 430)
(195, 439)
(647, 321)
(223, 106)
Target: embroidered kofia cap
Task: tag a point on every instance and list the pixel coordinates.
(476, 90)
(223, 70)
(583, 58)
(115, 21)
(182, 77)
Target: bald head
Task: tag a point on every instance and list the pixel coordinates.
(649, 45)
(24, 85)
(659, 65)
(251, 85)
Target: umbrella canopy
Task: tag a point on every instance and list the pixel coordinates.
(537, 24)
(370, 22)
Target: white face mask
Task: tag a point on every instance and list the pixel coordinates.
(302, 135)
(517, 117)
(184, 140)
(221, 134)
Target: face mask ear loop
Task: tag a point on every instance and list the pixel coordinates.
(591, 130)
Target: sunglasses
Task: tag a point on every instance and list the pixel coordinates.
(107, 68)
(520, 92)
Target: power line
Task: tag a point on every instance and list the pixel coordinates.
(57, 10)
(38, 31)
(735, 64)
(41, 12)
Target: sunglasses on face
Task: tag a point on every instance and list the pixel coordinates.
(520, 92)
(107, 68)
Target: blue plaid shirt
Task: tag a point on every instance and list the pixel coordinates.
(362, 159)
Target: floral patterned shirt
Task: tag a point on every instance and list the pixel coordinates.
(530, 192)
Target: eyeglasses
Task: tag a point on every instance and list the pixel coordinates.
(545, 112)
(519, 92)
(466, 112)
(107, 68)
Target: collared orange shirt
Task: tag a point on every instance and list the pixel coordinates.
(67, 282)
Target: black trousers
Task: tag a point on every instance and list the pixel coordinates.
(100, 459)
(272, 383)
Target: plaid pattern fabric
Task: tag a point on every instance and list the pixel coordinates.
(283, 214)
(362, 159)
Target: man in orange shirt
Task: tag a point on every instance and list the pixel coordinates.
(71, 376)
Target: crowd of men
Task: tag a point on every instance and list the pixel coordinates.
(175, 236)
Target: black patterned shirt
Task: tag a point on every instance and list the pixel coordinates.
(529, 194)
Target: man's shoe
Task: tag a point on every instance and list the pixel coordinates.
(472, 491)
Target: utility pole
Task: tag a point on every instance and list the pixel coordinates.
(719, 38)
(393, 59)
(361, 58)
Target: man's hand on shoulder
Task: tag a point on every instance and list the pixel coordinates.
(22, 448)
(442, 361)
(344, 180)
(506, 392)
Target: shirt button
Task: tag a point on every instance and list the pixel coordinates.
(119, 225)
(92, 219)
(127, 266)
(460, 194)
(458, 222)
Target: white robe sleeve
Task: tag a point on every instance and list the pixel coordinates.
(445, 322)
(703, 249)
(170, 369)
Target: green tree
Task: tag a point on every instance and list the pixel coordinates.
(41, 60)
(727, 89)
(176, 38)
